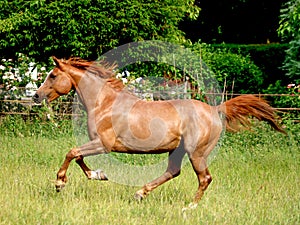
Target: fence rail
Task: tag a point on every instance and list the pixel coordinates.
(65, 108)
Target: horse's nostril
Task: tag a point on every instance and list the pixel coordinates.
(35, 96)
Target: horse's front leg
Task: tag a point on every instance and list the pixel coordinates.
(90, 174)
(94, 147)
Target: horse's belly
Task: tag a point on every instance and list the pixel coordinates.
(152, 144)
(146, 127)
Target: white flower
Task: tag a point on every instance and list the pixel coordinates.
(291, 85)
(13, 88)
(139, 79)
(27, 74)
(124, 80)
(5, 77)
(147, 96)
(2, 67)
(17, 71)
(3, 60)
(31, 64)
(118, 76)
(9, 75)
(10, 60)
(43, 68)
(126, 73)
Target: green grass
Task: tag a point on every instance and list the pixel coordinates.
(255, 181)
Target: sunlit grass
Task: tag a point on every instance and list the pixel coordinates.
(255, 181)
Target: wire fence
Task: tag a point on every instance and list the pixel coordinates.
(65, 108)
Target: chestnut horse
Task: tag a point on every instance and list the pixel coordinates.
(118, 121)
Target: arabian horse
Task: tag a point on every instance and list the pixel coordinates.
(118, 121)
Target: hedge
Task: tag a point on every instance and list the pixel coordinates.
(268, 57)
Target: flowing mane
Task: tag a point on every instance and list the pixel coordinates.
(100, 68)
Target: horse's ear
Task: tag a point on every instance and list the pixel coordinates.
(58, 63)
(55, 60)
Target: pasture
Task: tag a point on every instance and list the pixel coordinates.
(255, 181)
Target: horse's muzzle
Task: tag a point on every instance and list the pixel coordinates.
(35, 98)
(38, 98)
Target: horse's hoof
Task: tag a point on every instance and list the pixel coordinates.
(98, 175)
(138, 196)
(59, 185)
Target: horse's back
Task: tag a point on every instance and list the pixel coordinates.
(182, 115)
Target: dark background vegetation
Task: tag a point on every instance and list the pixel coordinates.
(235, 21)
(253, 44)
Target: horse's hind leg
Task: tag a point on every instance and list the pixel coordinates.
(204, 178)
(198, 158)
(173, 170)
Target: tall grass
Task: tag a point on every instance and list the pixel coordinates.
(255, 181)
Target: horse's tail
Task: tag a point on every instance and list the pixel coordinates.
(237, 111)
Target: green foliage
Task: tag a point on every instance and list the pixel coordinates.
(289, 99)
(289, 29)
(292, 60)
(268, 57)
(88, 28)
(14, 76)
(15, 73)
(21, 126)
(240, 73)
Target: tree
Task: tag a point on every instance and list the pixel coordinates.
(289, 30)
(87, 28)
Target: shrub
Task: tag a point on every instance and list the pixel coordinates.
(292, 60)
(15, 75)
(88, 28)
(19, 126)
(291, 97)
(289, 30)
(268, 57)
(239, 71)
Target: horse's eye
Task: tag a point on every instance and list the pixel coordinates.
(52, 76)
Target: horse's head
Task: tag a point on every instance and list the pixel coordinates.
(57, 83)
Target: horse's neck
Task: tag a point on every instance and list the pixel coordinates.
(96, 92)
(89, 89)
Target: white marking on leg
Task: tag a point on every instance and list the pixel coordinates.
(94, 175)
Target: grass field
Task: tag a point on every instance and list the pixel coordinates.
(255, 181)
